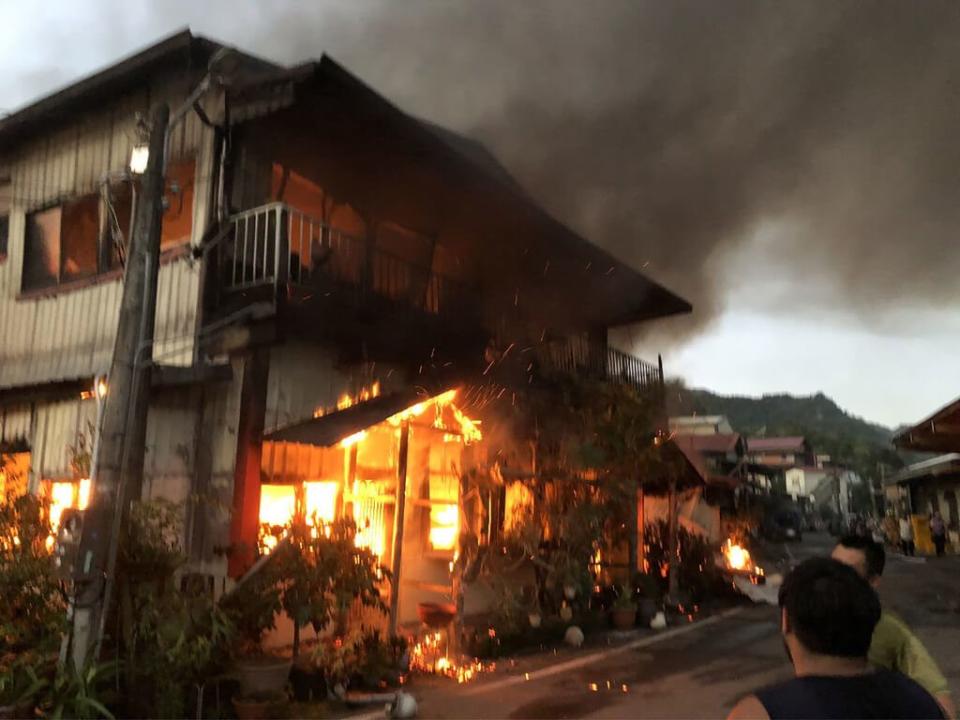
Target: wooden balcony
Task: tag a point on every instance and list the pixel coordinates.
(316, 278)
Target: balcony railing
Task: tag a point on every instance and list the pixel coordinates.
(277, 245)
(606, 363)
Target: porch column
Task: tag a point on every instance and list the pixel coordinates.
(244, 523)
(398, 517)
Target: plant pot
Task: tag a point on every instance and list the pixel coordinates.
(624, 618)
(15, 712)
(308, 684)
(259, 707)
(647, 610)
(264, 675)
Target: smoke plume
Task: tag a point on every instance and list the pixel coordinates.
(808, 150)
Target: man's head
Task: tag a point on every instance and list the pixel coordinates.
(827, 609)
(863, 554)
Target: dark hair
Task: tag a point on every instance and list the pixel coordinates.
(872, 550)
(830, 608)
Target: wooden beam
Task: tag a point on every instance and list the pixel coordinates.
(398, 526)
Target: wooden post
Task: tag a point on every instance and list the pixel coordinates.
(398, 515)
(642, 532)
(672, 541)
(633, 529)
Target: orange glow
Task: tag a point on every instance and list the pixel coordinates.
(83, 494)
(738, 557)
(368, 513)
(444, 526)
(353, 439)
(277, 506)
(320, 501)
(61, 498)
(346, 400)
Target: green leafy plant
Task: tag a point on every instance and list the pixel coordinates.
(80, 694)
(624, 599)
(22, 681)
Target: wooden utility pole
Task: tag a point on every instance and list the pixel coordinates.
(120, 452)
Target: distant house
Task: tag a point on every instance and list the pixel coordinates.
(932, 484)
(700, 425)
(782, 452)
(803, 481)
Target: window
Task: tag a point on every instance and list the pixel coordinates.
(41, 250)
(79, 234)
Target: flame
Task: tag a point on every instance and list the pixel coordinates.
(320, 501)
(368, 512)
(83, 494)
(738, 557)
(353, 439)
(61, 498)
(277, 506)
(444, 526)
(429, 657)
(346, 400)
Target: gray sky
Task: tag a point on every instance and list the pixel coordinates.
(789, 168)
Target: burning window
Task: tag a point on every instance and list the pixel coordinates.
(320, 502)
(518, 504)
(79, 238)
(41, 250)
(278, 504)
(66, 495)
(369, 513)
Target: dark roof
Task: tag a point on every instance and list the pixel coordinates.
(192, 51)
(938, 433)
(774, 444)
(623, 294)
(617, 293)
(693, 451)
(718, 443)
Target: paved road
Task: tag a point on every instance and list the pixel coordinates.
(702, 672)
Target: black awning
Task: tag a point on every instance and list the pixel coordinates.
(328, 430)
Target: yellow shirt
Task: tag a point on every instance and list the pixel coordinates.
(896, 648)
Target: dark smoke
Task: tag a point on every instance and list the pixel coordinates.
(718, 144)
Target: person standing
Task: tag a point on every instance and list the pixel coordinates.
(906, 535)
(938, 530)
(893, 646)
(827, 617)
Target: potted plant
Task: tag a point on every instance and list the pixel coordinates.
(648, 591)
(252, 609)
(624, 612)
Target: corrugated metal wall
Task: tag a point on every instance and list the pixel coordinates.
(302, 378)
(58, 427)
(70, 334)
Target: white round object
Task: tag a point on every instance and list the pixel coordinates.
(574, 636)
(404, 706)
(659, 621)
(569, 591)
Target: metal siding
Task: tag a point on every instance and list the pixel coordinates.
(302, 378)
(57, 429)
(71, 334)
(15, 423)
(169, 463)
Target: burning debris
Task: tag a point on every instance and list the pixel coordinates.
(430, 656)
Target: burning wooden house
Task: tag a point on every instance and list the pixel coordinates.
(337, 278)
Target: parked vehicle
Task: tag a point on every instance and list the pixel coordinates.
(783, 525)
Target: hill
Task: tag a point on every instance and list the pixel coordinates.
(848, 439)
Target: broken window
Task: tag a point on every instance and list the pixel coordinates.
(41, 249)
(79, 238)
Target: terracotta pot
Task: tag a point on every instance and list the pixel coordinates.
(624, 618)
(259, 707)
(264, 675)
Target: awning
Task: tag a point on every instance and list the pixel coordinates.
(938, 433)
(328, 430)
